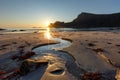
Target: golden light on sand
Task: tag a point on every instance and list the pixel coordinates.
(47, 34)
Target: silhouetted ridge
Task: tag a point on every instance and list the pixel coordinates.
(91, 20)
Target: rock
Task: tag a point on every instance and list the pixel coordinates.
(28, 55)
(30, 65)
(24, 68)
(90, 20)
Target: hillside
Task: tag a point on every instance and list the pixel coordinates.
(90, 20)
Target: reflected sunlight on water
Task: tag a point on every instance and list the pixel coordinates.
(47, 34)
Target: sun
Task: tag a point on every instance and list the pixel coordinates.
(47, 23)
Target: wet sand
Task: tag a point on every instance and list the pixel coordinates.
(94, 51)
(12, 42)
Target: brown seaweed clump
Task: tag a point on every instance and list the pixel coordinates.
(91, 76)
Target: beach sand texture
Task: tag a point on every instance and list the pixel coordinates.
(94, 51)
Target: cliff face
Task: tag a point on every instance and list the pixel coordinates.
(91, 20)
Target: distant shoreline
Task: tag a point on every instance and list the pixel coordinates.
(29, 30)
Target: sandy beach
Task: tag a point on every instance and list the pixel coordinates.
(93, 51)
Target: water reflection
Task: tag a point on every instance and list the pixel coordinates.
(47, 34)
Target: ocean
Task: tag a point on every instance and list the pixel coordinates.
(38, 30)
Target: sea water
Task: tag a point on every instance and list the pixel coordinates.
(37, 30)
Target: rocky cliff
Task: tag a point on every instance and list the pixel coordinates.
(90, 20)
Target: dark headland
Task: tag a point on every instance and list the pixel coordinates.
(90, 20)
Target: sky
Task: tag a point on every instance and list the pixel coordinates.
(39, 13)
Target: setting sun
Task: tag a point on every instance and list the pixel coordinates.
(47, 23)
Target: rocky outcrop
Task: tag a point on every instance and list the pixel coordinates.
(87, 20)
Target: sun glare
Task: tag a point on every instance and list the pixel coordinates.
(47, 34)
(47, 23)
